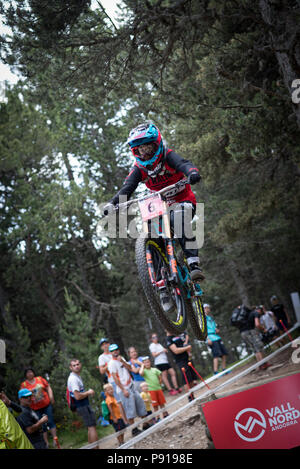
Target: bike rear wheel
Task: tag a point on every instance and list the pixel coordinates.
(153, 268)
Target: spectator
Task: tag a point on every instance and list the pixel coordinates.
(250, 331)
(11, 434)
(268, 323)
(30, 422)
(132, 402)
(115, 412)
(282, 318)
(153, 379)
(181, 357)
(185, 339)
(159, 353)
(103, 361)
(42, 400)
(214, 340)
(146, 396)
(81, 399)
(135, 362)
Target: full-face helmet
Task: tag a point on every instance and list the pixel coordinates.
(144, 134)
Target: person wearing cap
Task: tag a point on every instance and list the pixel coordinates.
(11, 434)
(104, 358)
(214, 341)
(30, 422)
(103, 361)
(132, 402)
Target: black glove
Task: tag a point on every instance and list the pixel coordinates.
(194, 177)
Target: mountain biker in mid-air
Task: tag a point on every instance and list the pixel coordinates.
(158, 166)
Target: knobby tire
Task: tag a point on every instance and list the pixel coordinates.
(141, 246)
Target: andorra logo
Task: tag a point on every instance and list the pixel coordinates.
(250, 424)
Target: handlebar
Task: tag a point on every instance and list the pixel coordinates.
(180, 183)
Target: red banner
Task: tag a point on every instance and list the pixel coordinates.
(264, 417)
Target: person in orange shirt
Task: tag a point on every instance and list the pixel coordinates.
(115, 411)
(42, 400)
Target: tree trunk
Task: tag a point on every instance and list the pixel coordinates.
(283, 22)
(100, 313)
(112, 329)
(239, 282)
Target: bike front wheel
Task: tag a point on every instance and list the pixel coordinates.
(153, 270)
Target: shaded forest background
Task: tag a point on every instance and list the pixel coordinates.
(217, 77)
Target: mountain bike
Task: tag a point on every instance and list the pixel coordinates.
(162, 266)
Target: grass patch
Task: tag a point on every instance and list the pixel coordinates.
(74, 437)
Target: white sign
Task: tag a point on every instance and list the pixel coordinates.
(275, 418)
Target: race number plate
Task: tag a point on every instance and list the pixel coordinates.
(151, 207)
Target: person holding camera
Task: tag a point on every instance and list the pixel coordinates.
(30, 422)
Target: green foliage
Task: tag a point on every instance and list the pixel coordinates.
(18, 352)
(71, 437)
(80, 342)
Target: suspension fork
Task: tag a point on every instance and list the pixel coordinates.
(172, 259)
(169, 245)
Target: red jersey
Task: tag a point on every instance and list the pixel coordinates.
(173, 169)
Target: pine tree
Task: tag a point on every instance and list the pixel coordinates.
(18, 354)
(79, 342)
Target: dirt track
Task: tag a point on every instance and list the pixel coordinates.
(187, 431)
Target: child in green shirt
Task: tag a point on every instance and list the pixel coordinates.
(153, 379)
